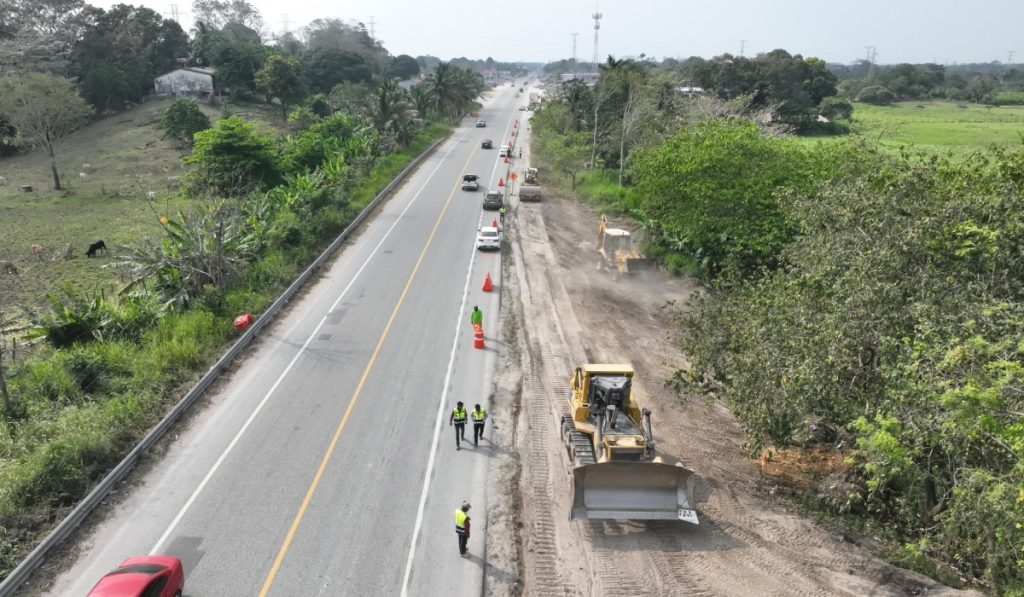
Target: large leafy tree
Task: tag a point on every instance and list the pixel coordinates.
(324, 68)
(389, 111)
(183, 119)
(121, 53)
(453, 89)
(217, 14)
(404, 67)
(280, 77)
(44, 109)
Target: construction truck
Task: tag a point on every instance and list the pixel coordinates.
(616, 474)
(530, 189)
(615, 246)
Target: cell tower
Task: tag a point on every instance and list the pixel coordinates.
(597, 28)
(574, 36)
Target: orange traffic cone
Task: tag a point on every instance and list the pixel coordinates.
(478, 337)
(501, 181)
(494, 223)
(488, 285)
(506, 159)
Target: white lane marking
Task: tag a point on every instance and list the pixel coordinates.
(223, 456)
(437, 424)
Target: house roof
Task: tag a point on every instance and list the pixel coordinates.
(194, 69)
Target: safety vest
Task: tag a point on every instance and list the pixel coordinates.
(459, 415)
(479, 416)
(460, 521)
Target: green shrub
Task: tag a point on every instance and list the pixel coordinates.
(183, 119)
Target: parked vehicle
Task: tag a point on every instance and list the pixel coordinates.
(506, 150)
(488, 238)
(494, 199)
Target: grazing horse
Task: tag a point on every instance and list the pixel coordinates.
(95, 247)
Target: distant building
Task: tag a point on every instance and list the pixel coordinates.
(190, 80)
(687, 90)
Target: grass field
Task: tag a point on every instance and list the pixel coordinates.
(128, 158)
(939, 125)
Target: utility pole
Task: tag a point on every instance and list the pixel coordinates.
(743, 44)
(871, 59)
(1009, 57)
(574, 36)
(174, 13)
(597, 27)
(373, 28)
(284, 24)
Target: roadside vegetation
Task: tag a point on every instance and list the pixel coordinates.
(860, 300)
(207, 212)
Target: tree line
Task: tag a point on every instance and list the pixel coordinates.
(995, 84)
(858, 301)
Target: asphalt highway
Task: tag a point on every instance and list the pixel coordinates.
(324, 464)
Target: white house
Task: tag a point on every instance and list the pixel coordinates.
(190, 80)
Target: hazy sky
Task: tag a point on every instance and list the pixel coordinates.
(943, 31)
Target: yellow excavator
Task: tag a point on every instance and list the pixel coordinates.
(615, 472)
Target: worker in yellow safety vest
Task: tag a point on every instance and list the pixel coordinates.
(462, 528)
(458, 418)
(479, 418)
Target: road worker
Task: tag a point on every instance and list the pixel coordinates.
(479, 418)
(476, 318)
(501, 215)
(458, 419)
(462, 528)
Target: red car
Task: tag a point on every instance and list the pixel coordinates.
(143, 576)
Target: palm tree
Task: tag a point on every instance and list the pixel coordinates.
(446, 86)
(384, 106)
(422, 99)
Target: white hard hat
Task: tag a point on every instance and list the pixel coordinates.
(465, 505)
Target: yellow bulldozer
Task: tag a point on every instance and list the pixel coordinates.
(616, 248)
(615, 472)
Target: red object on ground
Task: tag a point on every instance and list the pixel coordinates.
(501, 181)
(243, 321)
(478, 337)
(488, 285)
(159, 576)
(506, 159)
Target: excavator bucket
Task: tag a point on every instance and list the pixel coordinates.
(639, 264)
(633, 491)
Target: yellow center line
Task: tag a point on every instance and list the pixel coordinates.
(355, 396)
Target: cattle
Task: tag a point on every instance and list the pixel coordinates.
(87, 168)
(95, 248)
(38, 251)
(82, 176)
(151, 195)
(3, 181)
(8, 267)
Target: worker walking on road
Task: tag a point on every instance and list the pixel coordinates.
(501, 215)
(462, 528)
(458, 418)
(476, 318)
(479, 418)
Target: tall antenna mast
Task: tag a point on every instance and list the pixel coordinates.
(574, 36)
(597, 27)
(1009, 57)
(373, 26)
(743, 45)
(174, 13)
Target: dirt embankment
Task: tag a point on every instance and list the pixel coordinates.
(566, 313)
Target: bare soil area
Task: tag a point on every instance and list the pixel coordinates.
(564, 312)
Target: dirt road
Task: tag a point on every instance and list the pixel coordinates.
(561, 311)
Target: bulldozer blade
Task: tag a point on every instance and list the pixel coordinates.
(633, 491)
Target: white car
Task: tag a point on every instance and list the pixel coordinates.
(488, 237)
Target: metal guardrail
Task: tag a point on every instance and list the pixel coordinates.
(21, 573)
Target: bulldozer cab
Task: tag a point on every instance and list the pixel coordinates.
(616, 248)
